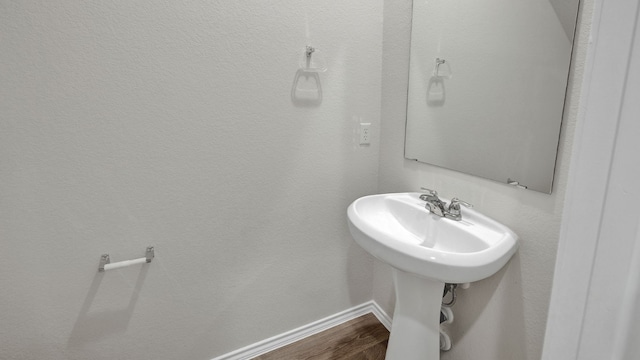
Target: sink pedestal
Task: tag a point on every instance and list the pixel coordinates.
(415, 331)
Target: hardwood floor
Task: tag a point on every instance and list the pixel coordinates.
(363, 338)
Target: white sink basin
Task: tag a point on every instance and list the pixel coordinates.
(399, 230)
(425, 252)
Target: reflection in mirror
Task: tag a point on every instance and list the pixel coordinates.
(487, 86)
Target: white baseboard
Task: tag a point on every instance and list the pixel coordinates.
(264, 346)
(382, 316)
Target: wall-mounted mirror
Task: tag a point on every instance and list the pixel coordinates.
(487, 86)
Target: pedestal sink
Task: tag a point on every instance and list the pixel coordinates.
(426, 251)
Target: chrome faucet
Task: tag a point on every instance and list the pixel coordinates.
(438, 207)
(434, 204)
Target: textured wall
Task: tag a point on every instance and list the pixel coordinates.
(124, 124)
(502, 317)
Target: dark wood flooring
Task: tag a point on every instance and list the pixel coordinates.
(363, 338)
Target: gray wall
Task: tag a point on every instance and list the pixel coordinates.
(126, 124)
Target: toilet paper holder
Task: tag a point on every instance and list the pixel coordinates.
(105, 261)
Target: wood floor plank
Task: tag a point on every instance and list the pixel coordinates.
(374, 352)
(363, 338)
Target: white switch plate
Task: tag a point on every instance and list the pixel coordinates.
(365, 133)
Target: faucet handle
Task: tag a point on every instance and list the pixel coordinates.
(454, 209)
(455, 204)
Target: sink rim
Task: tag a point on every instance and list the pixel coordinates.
(453, 267)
